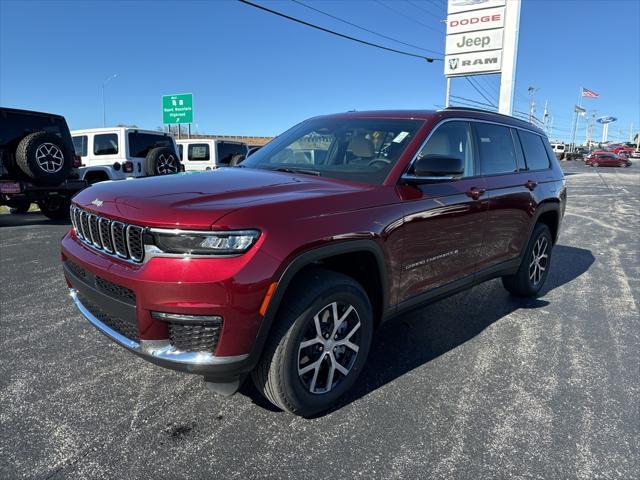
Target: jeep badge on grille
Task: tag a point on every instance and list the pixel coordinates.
(97, 202)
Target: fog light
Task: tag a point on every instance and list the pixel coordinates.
(182, 318)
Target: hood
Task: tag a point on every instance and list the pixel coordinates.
(198, 200)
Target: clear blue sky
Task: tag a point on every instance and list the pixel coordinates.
(254, 73)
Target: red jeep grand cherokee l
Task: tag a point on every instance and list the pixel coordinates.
(282, 267)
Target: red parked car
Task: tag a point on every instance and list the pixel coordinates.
(607, 159)
(282, 268)
(624, 151)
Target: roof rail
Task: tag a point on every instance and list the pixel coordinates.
(479, 110)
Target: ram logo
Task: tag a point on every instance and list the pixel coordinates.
(453, 63)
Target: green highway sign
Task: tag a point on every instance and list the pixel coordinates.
(177, 108)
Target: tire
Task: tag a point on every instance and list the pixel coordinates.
(19, 207)
(44, 158)
(161, 161)
(521, 283)
(55, 207)
(277, 375)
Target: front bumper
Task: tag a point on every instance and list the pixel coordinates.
(157, 351)
(178, 286)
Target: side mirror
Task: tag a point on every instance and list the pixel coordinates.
(435, 168)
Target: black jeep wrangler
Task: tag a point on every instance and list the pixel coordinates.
(37, 162)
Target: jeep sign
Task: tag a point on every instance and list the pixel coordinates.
(471, 21)
(475, 41)
(476, 62)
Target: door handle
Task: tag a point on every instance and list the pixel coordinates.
(475, 192)
(531, 185)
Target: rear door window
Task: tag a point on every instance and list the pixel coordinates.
(80, 145)
(534, 150)
(497, 152)
(227, 150)
(141, 143)
(105, 144)
(198, 152)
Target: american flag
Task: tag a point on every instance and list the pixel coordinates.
(589, 93)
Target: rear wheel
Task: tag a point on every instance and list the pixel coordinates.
(55, 207)
(318, 345)
(534, 269)
(18, 207)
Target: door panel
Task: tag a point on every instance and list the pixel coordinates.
(443, 232)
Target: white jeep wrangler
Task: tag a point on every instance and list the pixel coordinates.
(119, 153)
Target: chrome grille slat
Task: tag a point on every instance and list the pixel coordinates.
(93, 231)
(109, 236)
(119, 241)
(104, 227)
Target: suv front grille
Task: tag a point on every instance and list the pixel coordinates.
(109, 236)
(194, 337)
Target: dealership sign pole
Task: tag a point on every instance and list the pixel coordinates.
(605, 121)
(482, 38)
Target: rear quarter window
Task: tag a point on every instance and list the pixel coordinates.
(535, 153)
(497, 152)
(105, 144)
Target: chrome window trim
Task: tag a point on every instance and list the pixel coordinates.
(477, 120)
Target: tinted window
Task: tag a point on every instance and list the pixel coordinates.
(140, 143)
(227, 150)
(180, 151)
(80, 145)
(534, 151)
(495, 145)
(16, 124)
(105, 144)
(452, 139)
(356, 149)
(198, 152)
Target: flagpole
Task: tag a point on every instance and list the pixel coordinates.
(575, 121)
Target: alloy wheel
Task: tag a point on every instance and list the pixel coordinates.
(166, 164)
(329, 347)
(539, 260)
(49, 157)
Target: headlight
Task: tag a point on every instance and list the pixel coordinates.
(204, 243)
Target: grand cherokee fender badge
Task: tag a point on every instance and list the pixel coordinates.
(97, 202)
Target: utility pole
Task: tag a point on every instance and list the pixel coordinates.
(509, 56)
(104, 108)
(447, 95)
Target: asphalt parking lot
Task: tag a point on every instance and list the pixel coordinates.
(481, 385)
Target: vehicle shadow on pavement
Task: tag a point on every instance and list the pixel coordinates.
(28, 219)
(417, 337)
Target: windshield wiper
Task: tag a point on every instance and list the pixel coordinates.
(297, 170)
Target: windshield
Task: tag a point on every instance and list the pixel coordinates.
(361, 150)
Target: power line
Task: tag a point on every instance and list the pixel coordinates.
(485, 90)
(342, 35)
(469, 100)
(478, 90)
(397, 12)
(437, 17)
(365, 29)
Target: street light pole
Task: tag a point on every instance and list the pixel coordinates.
(104, 108)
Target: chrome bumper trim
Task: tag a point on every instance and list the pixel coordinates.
(158, 349)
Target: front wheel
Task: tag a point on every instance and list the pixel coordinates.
(318, 345)
(55, 207)
(534, 269)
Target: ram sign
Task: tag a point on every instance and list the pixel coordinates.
(476, 62)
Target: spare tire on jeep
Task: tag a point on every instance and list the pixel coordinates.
(161, 161)
(44, 157)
